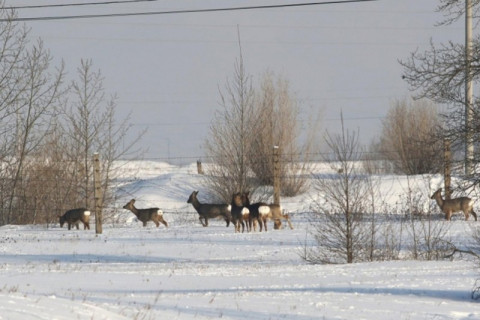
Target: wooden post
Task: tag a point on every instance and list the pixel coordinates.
(276, 175)
(97, 194)
(199, 167)
(447, 165)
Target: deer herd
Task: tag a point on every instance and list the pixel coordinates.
(245, 215)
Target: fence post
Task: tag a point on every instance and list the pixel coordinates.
(97, 194)
(199, 167)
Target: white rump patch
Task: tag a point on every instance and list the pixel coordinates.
(245, 211)
(229, 208)
(86, 213)
(160, 212)
(264, 210)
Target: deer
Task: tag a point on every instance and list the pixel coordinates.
(257, 211)
(74, 216)
(449, 206)
(239, 212)
(207, 210)
(264, 211)
(145, 215)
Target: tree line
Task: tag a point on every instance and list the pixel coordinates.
(50, 129)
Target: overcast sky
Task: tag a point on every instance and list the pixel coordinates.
(167, 69)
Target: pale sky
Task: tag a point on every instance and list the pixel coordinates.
(168, 69)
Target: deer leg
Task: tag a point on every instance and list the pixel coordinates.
(448, 215)
(163, 221)
(144, 223)
(289, 222)
(201, 221)
(474, 214)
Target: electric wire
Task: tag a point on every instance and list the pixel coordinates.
(129, 14)
(40, 6)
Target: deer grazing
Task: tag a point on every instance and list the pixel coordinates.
(74, 216)
(208, 211)
(262, 212)
(145, 215)
(450, 206)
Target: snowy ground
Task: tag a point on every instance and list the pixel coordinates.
(190, 272)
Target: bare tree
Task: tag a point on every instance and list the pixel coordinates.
(440, 74)
(91, 126)
(277, 124)
(338, 219)
(32, 93)
(455, 9)
(409, 138)
(231, 135)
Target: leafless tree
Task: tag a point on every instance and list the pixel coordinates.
(232, 132)
(91, 126)
(31, 93)
(340, 231)
(409, 137)
(439, 74)
(277, 124)
(455, 9)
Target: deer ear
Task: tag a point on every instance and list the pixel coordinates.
(132, 201)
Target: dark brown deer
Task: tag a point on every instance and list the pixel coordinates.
(145, 215)
(262, 212)
(450, 206)
(74, 216)
(209, 211)
(239, 212)
(257, 210)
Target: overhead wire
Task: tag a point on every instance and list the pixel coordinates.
(129, 14)
(77, 4)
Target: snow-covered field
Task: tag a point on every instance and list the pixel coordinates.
(187, 271)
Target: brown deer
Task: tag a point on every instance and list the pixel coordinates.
(239, 212)
(145, 215)
(74, 216)
(207, 210)
(450, 206)
(277, 214)
(262, 212)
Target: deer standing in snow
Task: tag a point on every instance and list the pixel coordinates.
(262, 212)
(208, 210)
(145, 215)
(449, 206)
(74, 216)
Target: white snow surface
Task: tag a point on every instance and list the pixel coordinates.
(187, 271)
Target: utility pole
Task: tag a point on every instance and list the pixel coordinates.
(469, 149)
(447, 168)
(276, 175)
(97, 194)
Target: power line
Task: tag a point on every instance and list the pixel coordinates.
(39, 6)
(110, 15)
